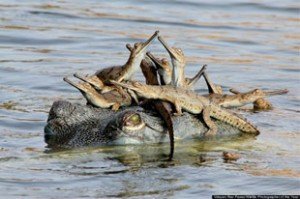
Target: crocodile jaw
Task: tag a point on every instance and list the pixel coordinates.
(136, 56)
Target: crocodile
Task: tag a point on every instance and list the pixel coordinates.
(120, 73)
(125, 72)
(165, 72)
(259, 104)
(164, 109)
(72, 125)
(178, 78)
(216, 95)
(114, 98)
(93, 80)
(240, 99)
(178, 63)
(163, 68)
(191, 102)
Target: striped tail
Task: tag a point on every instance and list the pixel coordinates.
(232, 119)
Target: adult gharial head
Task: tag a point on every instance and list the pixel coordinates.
(71, 125)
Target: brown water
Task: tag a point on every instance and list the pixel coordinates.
(246, 44)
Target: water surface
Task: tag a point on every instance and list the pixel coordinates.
(246, 44)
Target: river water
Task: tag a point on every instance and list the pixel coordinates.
(246, 44)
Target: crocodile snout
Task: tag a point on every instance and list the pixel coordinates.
(57, 132)
(48, 134)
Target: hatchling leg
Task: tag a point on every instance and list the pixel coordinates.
(116, 106)
(212, 128)
(197, 76)
(178, 109)
(234, 91)
(212, 88)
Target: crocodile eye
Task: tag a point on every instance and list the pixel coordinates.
(257, 91)
(132, 119)
(138, 45)
(135, 119)
(179, 51)
(164, 60)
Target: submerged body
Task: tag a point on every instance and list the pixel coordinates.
(72, 125)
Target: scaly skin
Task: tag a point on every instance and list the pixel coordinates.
(178, 77)
(178, 63)
(191, 102)
(240, 99)
(216, 94)
(114, 98)
(163, 68)
(93, 80)
(126, 71)
(120, 73)
(165, 72)
(212, 88)
(74, 125)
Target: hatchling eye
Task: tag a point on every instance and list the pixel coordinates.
(164, 60)
(180, 51)
(137, 45)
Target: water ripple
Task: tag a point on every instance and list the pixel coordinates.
(4, 39)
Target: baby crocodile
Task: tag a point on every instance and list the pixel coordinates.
(120, 73)
(216, 94)
(165, 72)
(93, 80)
(178, 62)
(178, 78)
(114, 98)
(125, 72)
(191, 102)
(240, 99)
(163, 68)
